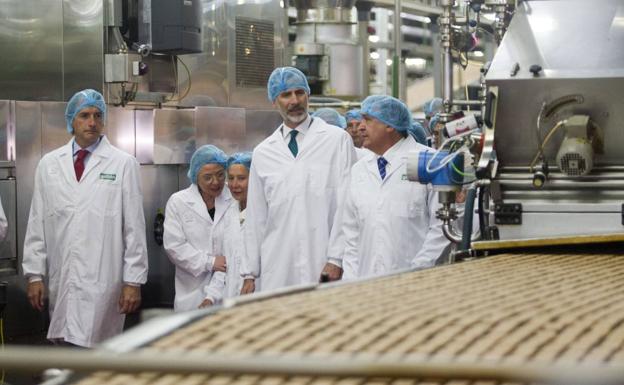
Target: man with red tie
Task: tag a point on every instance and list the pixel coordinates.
(85, 246)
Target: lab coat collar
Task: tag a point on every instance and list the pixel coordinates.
(222, 203)
(277, 138)
(303, 127)
(66, 158)
(395, 156)
(102, 151)
(194, 200)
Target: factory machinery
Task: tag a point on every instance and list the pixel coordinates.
(542, 165)
(544, 151)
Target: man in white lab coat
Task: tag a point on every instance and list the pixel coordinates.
(389, 223)
(296, 183)
(85, 242)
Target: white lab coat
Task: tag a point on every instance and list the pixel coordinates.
(229, 284)
(87, 239)
(192, 239)
(362, 152)
(292, 205)
(388, 225)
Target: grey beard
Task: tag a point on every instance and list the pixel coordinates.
(292, 119)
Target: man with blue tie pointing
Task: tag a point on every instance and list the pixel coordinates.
(388, 223)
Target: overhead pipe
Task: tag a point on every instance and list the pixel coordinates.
(396, 58)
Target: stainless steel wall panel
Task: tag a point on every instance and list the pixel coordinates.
(174, 136)
(6, 124)
(29, 148)
(31, 37)
(159, 182)
(53, 126)
(120, 129)
(258, 125)
(8, 246)
(83, 46)
(221, 126)
(144, 128)
(183, 180)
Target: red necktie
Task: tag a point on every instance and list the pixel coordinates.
(79, 163)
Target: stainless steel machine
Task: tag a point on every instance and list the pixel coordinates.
(547, 160)
(328, 48)
(557, 83)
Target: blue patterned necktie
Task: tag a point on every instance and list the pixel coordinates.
(381, 163)
(292, 145)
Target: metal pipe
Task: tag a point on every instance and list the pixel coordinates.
(447, 59)
(447, 215)
(468, 214)
(450, 233)
(396, 58)
(29, 359)
(469, 102)
(565, 184)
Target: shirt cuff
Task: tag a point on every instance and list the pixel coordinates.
(211, 262)
(35, 278)
(248, 276)
(335, 261)
(132, 284)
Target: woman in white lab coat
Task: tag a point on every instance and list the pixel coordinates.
(229, 284)
(192, 232)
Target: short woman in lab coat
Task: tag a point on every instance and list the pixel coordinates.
(226, 285)
(193, 227)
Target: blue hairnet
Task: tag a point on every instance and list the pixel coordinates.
(331, 116)
(284, 79)
(206, 154)
(80, 101)
(243, 158)
(388, 110)
(353, 114)
(417, 131)
(432, 107)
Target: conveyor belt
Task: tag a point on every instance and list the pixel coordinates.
(526, 308)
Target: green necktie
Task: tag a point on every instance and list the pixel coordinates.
(292, 145)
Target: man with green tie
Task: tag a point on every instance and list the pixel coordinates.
(296, 183)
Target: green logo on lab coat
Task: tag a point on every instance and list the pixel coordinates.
(108, 176)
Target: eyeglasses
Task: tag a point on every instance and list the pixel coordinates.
(210, 178)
